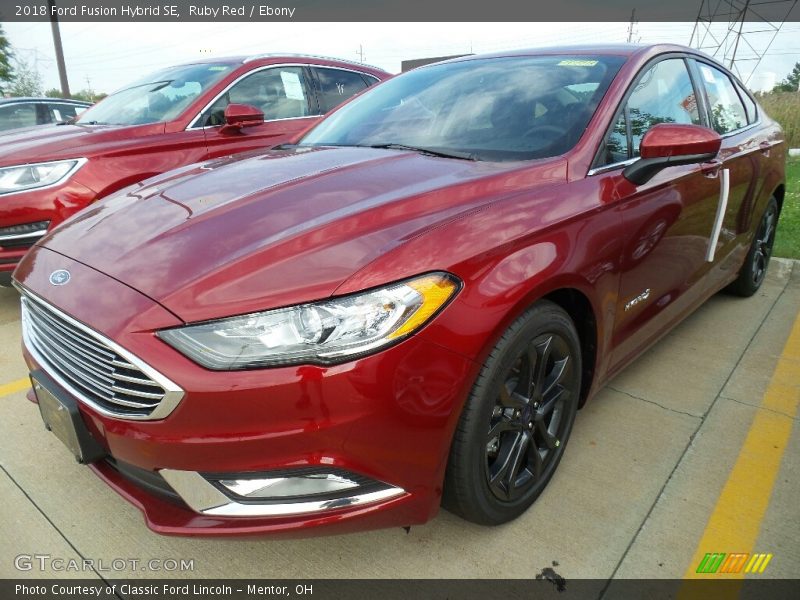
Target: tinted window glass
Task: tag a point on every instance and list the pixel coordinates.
(727, 111)
(664, 95)
(511, 108)
(617, 143)
(62, 112)
(749, 105)
(17, 115)
(280, 93)
(336, 86)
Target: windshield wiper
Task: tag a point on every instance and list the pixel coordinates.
(430, 151)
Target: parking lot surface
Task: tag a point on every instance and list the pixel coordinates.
(695, 448)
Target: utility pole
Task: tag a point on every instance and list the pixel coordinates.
(360, 53)
(62, 69)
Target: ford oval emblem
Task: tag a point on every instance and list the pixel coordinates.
(60, 277)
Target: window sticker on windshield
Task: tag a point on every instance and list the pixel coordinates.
(218, 68)
(574, 62)
(292, 86)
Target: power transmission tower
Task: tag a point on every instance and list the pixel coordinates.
(360, 53)
(631, 27)
(739, 33)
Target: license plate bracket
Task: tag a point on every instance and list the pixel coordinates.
(61, 416)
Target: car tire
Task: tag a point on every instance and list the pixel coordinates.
(754, 269)
(527, 394)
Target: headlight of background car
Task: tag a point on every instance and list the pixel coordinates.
(323, 332)
(21, 178)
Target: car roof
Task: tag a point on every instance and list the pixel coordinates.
(289, 56)
(627, 50)
(43, 99)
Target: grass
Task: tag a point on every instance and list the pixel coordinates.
(787, 238)
(784, 107)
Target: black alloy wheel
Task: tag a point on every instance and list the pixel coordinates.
(517, 420)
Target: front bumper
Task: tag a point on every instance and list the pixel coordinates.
(388, 418)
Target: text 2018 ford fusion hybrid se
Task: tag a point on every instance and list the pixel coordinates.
(406, 308)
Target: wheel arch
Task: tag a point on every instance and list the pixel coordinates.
(780, 194)
(579, 308)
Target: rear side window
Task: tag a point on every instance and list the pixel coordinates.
(664, 94)
(749, 104)
(336, 86)
(727, 111)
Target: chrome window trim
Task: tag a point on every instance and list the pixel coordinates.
(173, 392)
(362, 73)
(80, 162)
(311, 57)
(611, 167)
(193, 126)
(204, 498)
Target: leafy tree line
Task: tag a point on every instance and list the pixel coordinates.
(791, 83)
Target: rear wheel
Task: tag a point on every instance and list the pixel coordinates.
(755, 265)
(517, 420)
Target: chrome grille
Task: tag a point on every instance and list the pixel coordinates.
(93, 368)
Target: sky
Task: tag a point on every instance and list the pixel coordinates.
(106, 56)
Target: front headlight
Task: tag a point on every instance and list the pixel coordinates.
(323, 332)
(21, 178)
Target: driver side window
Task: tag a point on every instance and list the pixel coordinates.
(280, 93)
(664, 94)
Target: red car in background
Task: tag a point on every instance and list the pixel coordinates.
(409, 305)
(174, 117)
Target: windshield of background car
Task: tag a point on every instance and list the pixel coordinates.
(160, 97)
(496, 109)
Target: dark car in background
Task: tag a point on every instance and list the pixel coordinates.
(27, 112)
(175, 117)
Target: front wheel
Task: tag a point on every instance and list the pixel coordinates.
(517, 420)
(755, 265)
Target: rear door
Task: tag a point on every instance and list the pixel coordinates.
(284, 95)
(732, 114)
(668, 219)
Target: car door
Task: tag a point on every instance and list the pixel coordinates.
(281, 92)
(740, 157)
(335, 85)
(668, 219)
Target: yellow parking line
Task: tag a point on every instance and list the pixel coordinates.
(735, 523)
(14, 386)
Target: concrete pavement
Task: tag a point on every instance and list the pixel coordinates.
(636, 496)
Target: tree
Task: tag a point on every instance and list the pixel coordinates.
(6, 70)
(27, 81)
(791, 82)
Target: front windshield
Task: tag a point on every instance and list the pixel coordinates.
(512, 108)
(160, 97)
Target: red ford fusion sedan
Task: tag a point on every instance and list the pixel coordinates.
(407, 307)
(171, 118)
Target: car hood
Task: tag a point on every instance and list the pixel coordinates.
(54, 142)
(243, 234)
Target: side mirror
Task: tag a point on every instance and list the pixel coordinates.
(668, 145)
(242, 115)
